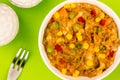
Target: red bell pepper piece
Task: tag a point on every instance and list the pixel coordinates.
(80, 19)
(58, 48)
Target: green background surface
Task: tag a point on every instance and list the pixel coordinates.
(27, 38)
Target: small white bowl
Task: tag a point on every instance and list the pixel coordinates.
(9, 24)
(107, 10)
(25, 3)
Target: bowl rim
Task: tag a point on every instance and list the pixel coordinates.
(103, 7)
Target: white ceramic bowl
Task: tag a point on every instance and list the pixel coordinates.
(107, 10)
(9, 24)
(25, 3)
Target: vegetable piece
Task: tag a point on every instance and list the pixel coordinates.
(56, 24)
(98, 19)
(72, 69)
(111, 54)
(80, 19)
(96, 49)
(73, 53)
(56, 15)
(71, 15)
(62, 62)
(98, 29)
(50, 49)
(67, 6)
(93, 13)
(103, 22)
(76, 73)
(58, 48)
(102, 56)
(63, 13)
(79, 46)
(64, 71)
(48, 37)
(79, 36)
(59, 33)
(59, 40)
(73, 5)
(85, 45)
(76, 27)
(69, 36)
(102, 15)
(52, 20)
(72, 46)
(89, 63)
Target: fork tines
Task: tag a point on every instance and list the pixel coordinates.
(20, 58)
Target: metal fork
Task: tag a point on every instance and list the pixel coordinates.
(17, 64)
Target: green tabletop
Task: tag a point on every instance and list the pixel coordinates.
(27, 38)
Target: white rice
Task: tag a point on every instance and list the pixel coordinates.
(25, 3)
(9, 24)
